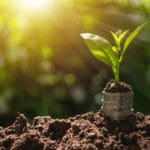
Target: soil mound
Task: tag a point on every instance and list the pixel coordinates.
(89, 131)
(114, 87)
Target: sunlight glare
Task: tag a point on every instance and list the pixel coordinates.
(34, 4)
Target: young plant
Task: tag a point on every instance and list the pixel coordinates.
(111, 55)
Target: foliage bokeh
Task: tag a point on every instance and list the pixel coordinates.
(45, 67)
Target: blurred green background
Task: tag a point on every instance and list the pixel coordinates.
(45, 66)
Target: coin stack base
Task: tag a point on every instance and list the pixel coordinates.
(117, 106)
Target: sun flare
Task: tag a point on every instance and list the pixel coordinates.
(34, 4)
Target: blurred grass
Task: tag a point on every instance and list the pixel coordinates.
(45, 67)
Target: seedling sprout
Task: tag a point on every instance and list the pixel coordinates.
(111, 55)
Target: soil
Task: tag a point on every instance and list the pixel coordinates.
(89, 131)
(113, 87)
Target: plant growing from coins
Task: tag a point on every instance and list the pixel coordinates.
(111, 55)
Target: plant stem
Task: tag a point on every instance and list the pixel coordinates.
(116, 72)
(117, 76)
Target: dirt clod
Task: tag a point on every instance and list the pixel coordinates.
(20, 124)
(89, 131)
(57, 128)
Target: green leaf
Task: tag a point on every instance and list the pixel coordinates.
(98, 43)
(129, 39)
(118, 36)
(101, 56)
(122, 36)
(114, 48)
(98, 46)
(114, 37)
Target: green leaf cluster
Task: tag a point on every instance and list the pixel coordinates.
(111, 55)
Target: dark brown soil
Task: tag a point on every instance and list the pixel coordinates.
(113, 87)
(90, 131)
